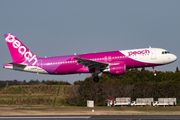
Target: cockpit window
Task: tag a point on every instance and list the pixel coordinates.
(165, 52)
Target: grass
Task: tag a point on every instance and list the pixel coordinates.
(30, 95)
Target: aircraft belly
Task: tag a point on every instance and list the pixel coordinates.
(67, 69)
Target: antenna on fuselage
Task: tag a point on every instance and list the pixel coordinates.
(149, 46)
(74, 53)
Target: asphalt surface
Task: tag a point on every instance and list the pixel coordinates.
(95, 117)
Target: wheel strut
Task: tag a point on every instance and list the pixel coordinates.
(154, 70)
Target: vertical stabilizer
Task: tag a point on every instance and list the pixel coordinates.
(19, 52)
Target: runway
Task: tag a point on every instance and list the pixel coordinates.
(95, 117)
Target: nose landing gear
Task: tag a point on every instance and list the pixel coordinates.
(154, 71)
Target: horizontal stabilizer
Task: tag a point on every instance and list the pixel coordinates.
(15, 66)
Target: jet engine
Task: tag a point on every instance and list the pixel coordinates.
(116, 69)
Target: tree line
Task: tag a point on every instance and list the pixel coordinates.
(135, 84)
(4, 83)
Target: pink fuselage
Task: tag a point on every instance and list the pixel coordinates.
(55, 65)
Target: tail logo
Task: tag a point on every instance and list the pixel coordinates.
(21, 49)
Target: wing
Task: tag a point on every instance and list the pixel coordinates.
(91, 63)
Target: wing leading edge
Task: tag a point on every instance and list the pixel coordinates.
(91, 64)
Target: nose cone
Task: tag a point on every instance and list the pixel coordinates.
(174, 58)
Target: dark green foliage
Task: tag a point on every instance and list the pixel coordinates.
(78, 82)
(177, 69)
(134, 84)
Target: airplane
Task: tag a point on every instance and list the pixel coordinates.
(113, 62)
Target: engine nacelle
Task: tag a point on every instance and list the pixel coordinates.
(116, 69)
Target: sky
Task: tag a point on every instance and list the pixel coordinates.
(64, 27)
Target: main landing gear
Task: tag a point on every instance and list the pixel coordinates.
(96, 79)
(154, 70)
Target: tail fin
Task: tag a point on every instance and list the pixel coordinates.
(19, 52)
